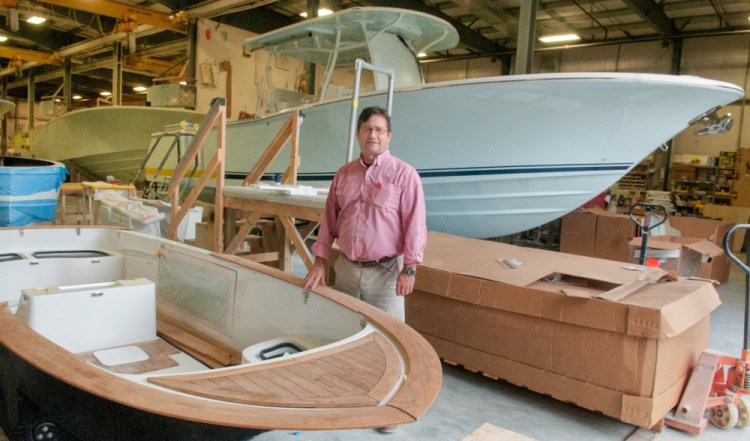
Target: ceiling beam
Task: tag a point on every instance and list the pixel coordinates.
(126, 12)
(654, 15)
(20, 54)
(468, 36)
(154, 66)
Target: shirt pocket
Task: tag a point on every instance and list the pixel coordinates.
(386, 196)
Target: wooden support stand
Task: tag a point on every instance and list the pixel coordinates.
(252, 209)
(285, 213)
(216, 117)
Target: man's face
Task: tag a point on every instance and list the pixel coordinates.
(373, 136)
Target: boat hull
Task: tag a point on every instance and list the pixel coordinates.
(105, 141)
(504, 154)
(81, 415)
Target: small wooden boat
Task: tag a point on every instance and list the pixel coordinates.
(111, 334)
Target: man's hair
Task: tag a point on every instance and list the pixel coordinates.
(369, 112)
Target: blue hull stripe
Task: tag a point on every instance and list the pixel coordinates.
(468, 171)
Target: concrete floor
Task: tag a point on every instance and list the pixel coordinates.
(468, 400)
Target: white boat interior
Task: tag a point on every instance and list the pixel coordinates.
(98, 306)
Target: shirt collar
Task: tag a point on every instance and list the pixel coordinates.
(379, 160)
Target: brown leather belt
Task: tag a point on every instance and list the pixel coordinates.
(371, 262)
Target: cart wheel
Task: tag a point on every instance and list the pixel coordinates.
(725, 416)
(743, 405)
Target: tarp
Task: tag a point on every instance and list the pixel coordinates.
(29, 190)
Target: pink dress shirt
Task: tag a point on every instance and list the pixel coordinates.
(375, 212)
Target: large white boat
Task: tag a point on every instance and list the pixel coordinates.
(496, 155)
(115, 335)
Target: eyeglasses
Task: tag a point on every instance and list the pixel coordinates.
(376, 130)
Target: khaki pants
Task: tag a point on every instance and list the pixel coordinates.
(375, 284)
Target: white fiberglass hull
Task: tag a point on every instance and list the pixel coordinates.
(504, 154)
(105, 141)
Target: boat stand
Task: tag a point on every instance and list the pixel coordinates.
(286, 212)
(216, 117)
(719, 383)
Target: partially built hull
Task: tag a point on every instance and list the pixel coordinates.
(105, 141)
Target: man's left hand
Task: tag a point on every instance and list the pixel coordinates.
(404, 284)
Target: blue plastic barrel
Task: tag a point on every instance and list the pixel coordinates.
(29, 190)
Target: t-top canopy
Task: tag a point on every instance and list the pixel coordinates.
(349, 30)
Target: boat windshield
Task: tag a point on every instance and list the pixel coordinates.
(326, 48)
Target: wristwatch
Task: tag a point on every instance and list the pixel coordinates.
(410, 272)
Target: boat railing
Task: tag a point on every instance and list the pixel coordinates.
(358, 66)
(183, 132)
(216, 117)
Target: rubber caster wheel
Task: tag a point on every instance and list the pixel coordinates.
(726, 415)
(743, 405)
(42, 429)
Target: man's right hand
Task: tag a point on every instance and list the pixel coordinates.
(316, 275)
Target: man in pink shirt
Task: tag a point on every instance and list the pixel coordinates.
(376, 213)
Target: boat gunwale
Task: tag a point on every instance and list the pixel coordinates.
(622, 77)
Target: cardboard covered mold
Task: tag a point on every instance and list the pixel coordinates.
(608, 336)
(683, 255)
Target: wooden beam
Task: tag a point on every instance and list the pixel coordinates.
(297, 240)
(250, 223)
(271, 151)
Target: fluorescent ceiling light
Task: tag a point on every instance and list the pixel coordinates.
(321, 13)
(3, 38)
(139, 89)
(559, 38)
(76, 97)
(421, 55)
(36, 20)
(105, 93)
